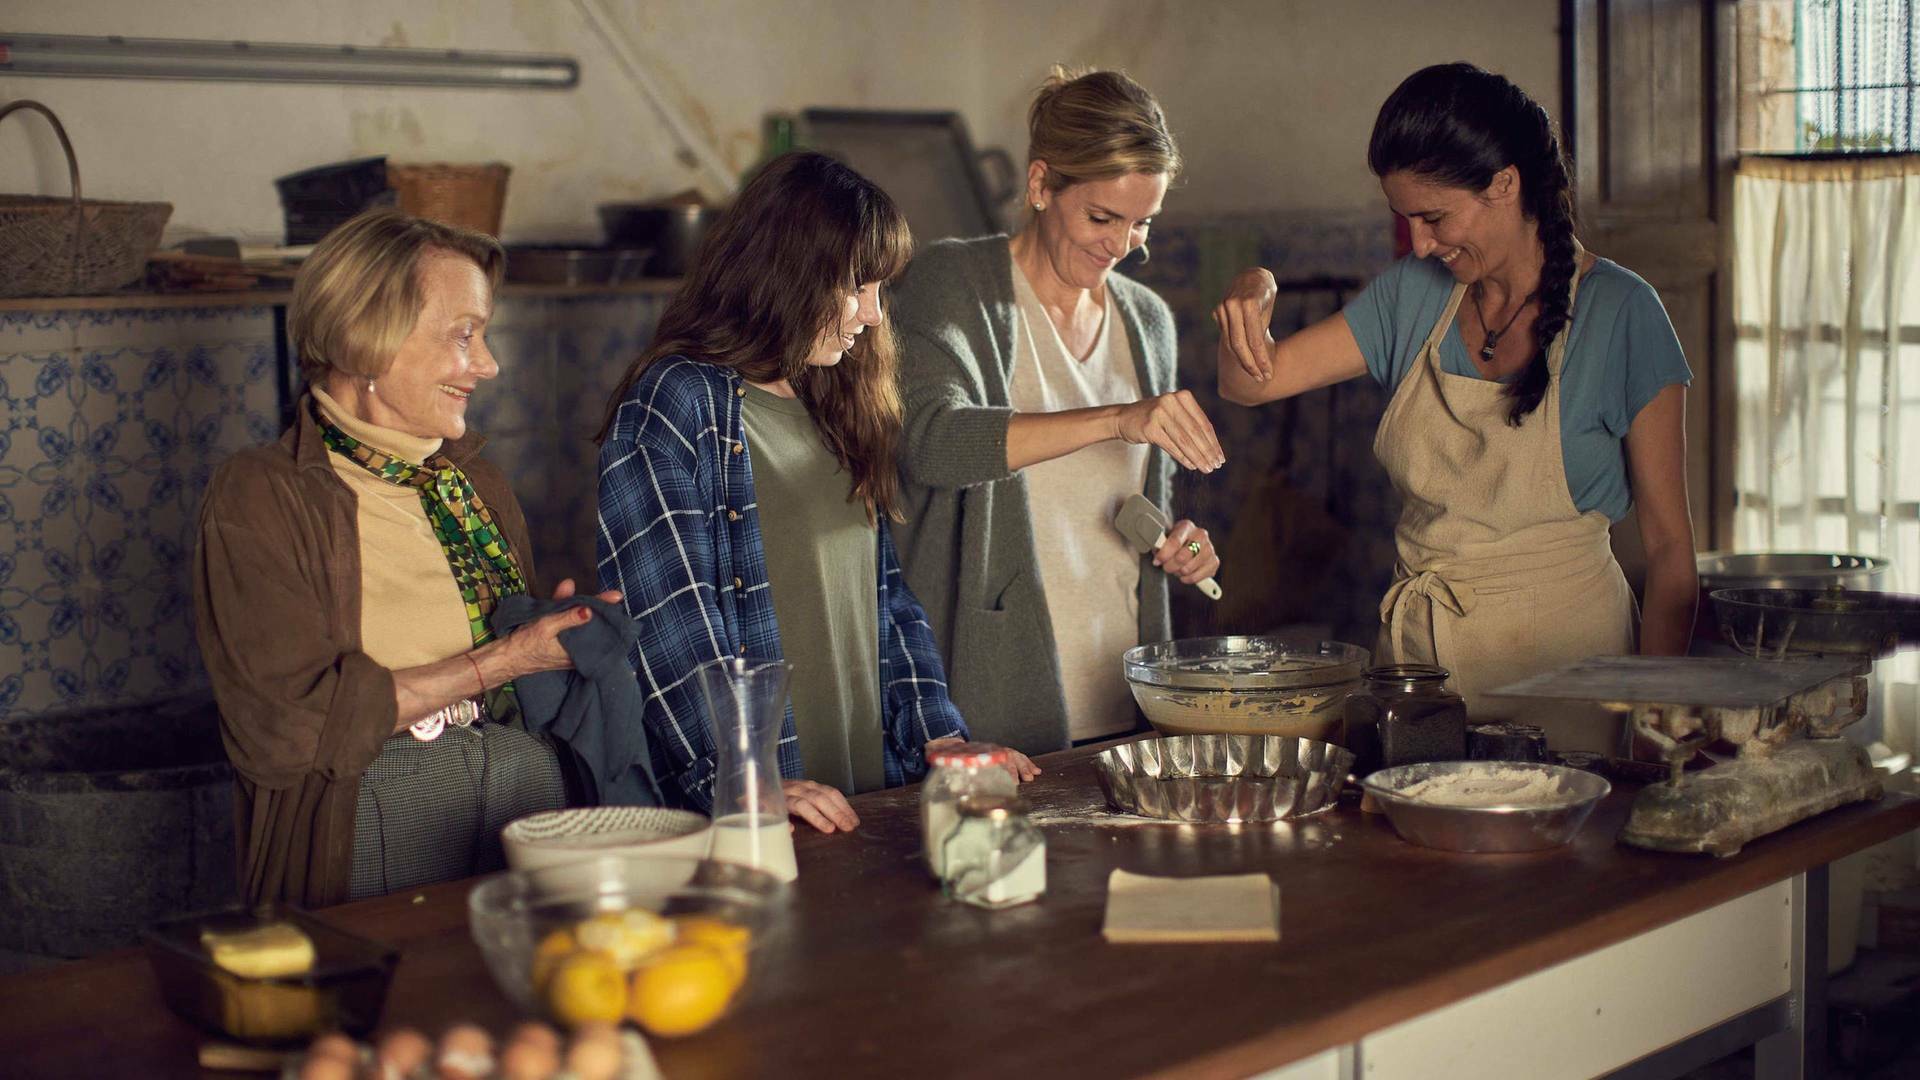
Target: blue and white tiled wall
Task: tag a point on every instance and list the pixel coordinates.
(112, 422)
(560, 359)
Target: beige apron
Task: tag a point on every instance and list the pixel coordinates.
(1499, 577)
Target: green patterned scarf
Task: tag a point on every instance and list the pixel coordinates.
(483, 565)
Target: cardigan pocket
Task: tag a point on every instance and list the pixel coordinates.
(985, 653)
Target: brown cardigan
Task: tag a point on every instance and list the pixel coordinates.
(303, 711)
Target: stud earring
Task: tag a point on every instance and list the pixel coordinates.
(369, 386)
(1037, 207)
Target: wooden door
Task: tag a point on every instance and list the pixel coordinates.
(1646, 84)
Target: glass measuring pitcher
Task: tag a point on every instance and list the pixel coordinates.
(746, 701)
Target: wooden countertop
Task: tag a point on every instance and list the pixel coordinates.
(147, 301)
(871, 973)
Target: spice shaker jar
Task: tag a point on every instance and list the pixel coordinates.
(957, 770)
(996, 857)
(1402, 714)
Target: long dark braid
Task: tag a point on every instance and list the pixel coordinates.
(1458, 125)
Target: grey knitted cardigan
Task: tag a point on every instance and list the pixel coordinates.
(968, 546)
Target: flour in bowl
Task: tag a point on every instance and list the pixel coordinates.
(1518, 787)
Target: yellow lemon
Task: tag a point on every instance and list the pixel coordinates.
(682, 990)
(587, 986)
(553, 948)
(628, 936)
(727, 939)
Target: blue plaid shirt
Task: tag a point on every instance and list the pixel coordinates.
(680, 538)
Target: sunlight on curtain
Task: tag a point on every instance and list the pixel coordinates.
(1826, 304)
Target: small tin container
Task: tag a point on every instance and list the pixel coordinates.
(1404, 714)
(1506, 742)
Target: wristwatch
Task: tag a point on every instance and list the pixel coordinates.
(461, 713)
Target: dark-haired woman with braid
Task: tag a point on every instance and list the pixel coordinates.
(1538, 393)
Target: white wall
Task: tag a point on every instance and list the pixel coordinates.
(1271, 99)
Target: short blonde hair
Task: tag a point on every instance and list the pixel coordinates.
(358, 295)
(1097, 125)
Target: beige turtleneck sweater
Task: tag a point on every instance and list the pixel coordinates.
(410, 609)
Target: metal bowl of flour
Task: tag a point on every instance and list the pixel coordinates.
(1486, 806)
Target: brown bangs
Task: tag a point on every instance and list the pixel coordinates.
(884, 246)
(767, 282)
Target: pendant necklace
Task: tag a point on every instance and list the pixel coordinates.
(1493, 336)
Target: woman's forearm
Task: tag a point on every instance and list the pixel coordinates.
(421, 691)
(1036, 437)
(1673, 590)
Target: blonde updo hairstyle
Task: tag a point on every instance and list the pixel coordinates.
(358, 295)
(1097, 125)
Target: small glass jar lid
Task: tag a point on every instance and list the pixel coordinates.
(965, 755)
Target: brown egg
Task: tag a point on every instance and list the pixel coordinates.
(537, 1034)
(595, 1055)
(466, 1053)
(528, 1060)
(326, 1068)
(403, 1052)
(337, 1046)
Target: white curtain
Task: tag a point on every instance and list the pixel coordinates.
(1826, 299)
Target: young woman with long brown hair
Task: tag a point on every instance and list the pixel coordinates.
(747, 482)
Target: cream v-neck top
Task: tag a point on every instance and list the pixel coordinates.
(1090, 577)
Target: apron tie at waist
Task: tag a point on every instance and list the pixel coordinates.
(1437, 590)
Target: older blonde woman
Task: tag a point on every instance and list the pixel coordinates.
(345, 578)
(1039, 389)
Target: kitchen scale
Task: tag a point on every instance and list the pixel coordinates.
(1802, 679)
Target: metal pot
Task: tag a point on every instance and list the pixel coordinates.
(1789, 570)
(672, 230)
(1816, 571)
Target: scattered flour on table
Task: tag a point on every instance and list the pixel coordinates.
(1077, 806)
(1513, 789)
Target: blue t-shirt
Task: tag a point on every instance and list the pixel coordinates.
(1621, 352)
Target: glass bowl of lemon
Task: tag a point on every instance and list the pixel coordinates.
(659, 941)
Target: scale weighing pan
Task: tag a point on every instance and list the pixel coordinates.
(1789, 622)
(1763, 707)
(1713, 682)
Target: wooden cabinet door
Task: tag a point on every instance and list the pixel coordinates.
(1646, 84)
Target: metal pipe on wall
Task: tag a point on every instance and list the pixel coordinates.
(162, 58)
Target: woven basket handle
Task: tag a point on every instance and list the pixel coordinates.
(73, 163)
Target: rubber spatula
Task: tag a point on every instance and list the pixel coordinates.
(1145, 527)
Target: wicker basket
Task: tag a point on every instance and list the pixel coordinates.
(73, 246)
(470, 196)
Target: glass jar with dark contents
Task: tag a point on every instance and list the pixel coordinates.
(1403, 714)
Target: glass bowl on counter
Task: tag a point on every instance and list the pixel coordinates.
(340, 984)
(534, 929)
(1245, 685)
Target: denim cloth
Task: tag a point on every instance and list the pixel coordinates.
(680, 537)
(595, 708)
